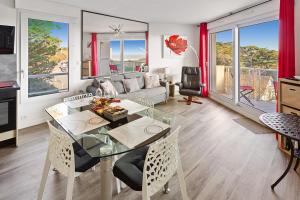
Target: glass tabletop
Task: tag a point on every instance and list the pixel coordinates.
(97, 142)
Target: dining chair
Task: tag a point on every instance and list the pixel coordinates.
(67, 158)
(77, 97)
(149, 169)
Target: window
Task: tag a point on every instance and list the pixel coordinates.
(258, 56)
(127, 54)
(48, 57)
(222, 61)
(134, 54)
(115, 53)
(251, 51)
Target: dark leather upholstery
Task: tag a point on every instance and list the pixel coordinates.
(190, 84)
(83, 161)
(129, 168)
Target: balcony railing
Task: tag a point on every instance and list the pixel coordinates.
(263, 82)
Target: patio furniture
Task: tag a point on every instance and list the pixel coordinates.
(246, 90)
(149, 169)
(286, 125)
(99, 142)
(113, 69)
(190, 84)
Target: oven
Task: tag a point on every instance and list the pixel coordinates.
(7, 110)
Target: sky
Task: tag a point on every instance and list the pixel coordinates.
(131, 47)
(62, 33)
(263, 35)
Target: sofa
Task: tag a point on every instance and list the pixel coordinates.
(156, 94)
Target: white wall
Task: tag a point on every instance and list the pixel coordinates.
(31, 111)
(7, 13)
(297, 35)
(156, 32)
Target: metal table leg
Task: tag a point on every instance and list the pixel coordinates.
(106, 178)
(288, 167)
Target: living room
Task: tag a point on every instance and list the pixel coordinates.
(206, 72)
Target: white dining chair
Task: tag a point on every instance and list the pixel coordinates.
(78, 97)
(161, 162)
(64, 159)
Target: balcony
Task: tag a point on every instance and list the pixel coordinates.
(257, 84)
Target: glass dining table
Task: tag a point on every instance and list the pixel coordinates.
(100, 144)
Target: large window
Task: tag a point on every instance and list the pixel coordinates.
(258, 56)
(134, 54)
(48, 57)
(244, 64)
(222, 54)
(127, 54)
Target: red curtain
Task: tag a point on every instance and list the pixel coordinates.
(203, 58)
(286, 58)
(94, 52)
(147, 57)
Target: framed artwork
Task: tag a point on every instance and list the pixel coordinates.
(174, 46)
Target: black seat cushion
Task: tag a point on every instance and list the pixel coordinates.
(189, 92)
(129, 168)
(83, 161)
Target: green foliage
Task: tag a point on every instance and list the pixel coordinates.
(42, 46)
(250, 56)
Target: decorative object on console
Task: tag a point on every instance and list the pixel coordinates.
(174, 46)
(151, 80)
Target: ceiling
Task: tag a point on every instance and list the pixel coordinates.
(100, 24)
(163, 11)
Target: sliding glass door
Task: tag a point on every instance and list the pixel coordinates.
(258, 56)
(244, 65)
(222, 63)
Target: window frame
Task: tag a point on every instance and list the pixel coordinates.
(22, 46)
(235, 27)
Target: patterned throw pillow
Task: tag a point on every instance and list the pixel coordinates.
(108, 88)
(131, 85)
(151, 80)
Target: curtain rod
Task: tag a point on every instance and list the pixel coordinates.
(239, 11)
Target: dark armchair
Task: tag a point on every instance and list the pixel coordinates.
(190, 85)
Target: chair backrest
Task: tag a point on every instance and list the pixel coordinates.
(145, 102)
(161, 163)
(77, 97)
(60, 151)
(191, 78)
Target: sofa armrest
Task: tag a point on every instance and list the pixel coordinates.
(166, 85)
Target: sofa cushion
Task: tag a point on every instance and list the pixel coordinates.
(138, 76)
(131, 85)
(96, 82)
(119, 86)
(151, 92)
(108, 87)
(151, 80)
(117, 77)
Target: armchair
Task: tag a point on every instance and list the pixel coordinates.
(190, 84)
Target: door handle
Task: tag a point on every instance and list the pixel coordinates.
(292, 89)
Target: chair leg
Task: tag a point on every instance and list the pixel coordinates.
(44, 178)
(189, 100)
(181, 181)
(70, 187)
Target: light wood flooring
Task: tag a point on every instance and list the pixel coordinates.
(224, 156)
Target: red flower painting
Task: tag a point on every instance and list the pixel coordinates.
(177, 44)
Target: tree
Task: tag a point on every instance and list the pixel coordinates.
(42, 46)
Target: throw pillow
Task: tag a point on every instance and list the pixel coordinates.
(119, 86)
(151, 80)
(108, 88)
(131, 85)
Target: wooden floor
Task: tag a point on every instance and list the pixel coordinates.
(224, 156)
